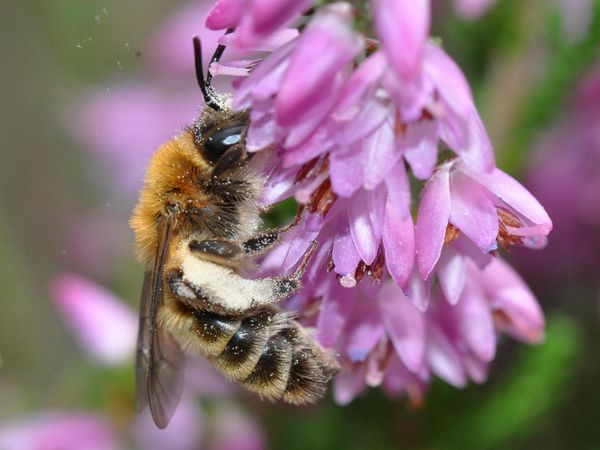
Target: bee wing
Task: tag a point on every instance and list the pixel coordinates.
(159, 362)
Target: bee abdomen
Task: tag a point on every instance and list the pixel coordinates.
(198, 331)
(311, 369)
(244, 350)
(270, 375)
(267, 351)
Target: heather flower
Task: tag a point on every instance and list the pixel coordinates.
(346, 121)
(395, 345)
(472, 9)
(489, 209)
(104, 326)
(565, 175)
(406, 283)
(64, 430)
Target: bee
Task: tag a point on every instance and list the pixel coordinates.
(196, 228)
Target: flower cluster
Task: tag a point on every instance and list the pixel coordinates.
(379, 140)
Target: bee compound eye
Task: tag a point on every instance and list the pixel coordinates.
(220, 141)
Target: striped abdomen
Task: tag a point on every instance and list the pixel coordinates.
(266, 350)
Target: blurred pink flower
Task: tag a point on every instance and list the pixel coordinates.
(105, 328)
(565, 175)
(472, 9)
(254, 20)
(235, 431)
(124, 124)
(59, 430)
(185, 431)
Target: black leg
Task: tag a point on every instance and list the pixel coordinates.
(221, 249)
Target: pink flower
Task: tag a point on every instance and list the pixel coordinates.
(103, 325)
(54, 430)
(254, 20)
(351, 126)
(472, 9)
(565, 175)
(488, 208)
(400, 348)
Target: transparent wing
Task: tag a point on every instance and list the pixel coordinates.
(159, 362)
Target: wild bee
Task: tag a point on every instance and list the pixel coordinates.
(196, 228)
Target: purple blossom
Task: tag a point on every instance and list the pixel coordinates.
(347, 121)
(103, 325)
(399, 347)
(567, 161)
(405, 284)
(65, 430)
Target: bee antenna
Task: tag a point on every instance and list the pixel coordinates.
(211, 98)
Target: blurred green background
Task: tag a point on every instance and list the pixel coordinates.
(523, 70)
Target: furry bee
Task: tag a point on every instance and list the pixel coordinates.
(196, 227)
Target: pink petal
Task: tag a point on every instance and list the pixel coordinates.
(349, 383)
(360, 121)
(104, 326)
(473, 212)
(334, 313)
(314, 123)
(478, 152)
(261, 134)
(432, 220)
(399, 243)
(364, 330)
(381, 155)
(405, 325)
(317, 145)
(185, 430)
(59, 430)
(377, 199)
(472, 9)
(452, 273)
(420, 147)
(362, 80)
(269, 15)
(346, 170)
(344, 254)
(326, 46)
(235, 429)
(403, 26)
(418, 291)
(170, 48)
(513, 194)
(364, 234)
(398, 189)
(444, 359)
(225, 14)
(475, 322)
(264, 81)
(449, 80)
(269, 43)
(519, 313)
(476, 368)
(298, 247)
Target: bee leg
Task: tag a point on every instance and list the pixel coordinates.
(261, 243)
(267, 239)
(283, 287)
(216, 249)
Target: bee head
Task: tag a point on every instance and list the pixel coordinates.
(220, 138)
